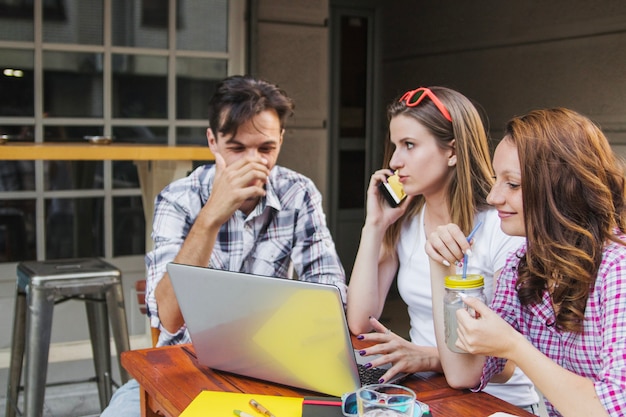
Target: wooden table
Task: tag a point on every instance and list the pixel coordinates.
(170, 378)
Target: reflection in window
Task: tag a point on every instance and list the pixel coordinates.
(78, 22)
(17, 230)
(17, 175)
(72, 84)
(90, 79)
(16, 82)
(16, 21)
(129, 227)
(125, 174)
(69, 133)
(196, 79)
(73, 175)
(139, 86)
(74, 227)
(202, 25)
(140, 134)
(191, 136)
(128, 29)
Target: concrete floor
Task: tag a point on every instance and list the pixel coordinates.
(69, 393)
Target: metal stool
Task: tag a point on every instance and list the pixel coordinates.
(41, 285)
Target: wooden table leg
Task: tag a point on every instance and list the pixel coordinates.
(146, 404)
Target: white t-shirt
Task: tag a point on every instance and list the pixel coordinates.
(489, 253)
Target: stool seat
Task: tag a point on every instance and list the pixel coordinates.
(42, 284)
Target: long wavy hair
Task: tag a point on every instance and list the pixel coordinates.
(471, 177)
(573, 197)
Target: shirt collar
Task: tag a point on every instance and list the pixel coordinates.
(271, 198)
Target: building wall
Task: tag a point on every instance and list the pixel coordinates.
(513, 56)
(289, 47)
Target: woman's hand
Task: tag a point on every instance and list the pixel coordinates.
(378, 211)
(487, 334)
(447, 245)
(403, 355)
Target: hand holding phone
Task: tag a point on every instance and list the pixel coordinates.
(392, 190)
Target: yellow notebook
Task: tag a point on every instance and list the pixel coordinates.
(222, 404)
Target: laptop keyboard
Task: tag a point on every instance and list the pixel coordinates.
(369, 375)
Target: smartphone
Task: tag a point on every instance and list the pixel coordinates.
(392, 191)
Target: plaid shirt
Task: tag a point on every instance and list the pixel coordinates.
(599, 352)
(287, 228)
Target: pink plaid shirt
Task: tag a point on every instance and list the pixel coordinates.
(599, 352)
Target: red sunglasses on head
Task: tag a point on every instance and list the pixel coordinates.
(414, 97)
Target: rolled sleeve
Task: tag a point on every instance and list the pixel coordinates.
(171, 224)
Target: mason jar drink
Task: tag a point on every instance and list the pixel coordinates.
(472, 285)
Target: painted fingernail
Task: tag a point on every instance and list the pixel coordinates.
(468, 252)
(362, 352)
(367, 365)
(360, 337)
(381, 380)
(445, 262)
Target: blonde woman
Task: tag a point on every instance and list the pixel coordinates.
(438, 148)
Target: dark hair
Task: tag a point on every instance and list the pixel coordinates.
(573, 195)
(239, 98)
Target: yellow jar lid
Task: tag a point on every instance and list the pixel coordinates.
(458, 282)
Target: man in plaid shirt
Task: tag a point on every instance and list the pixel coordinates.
(244, 213)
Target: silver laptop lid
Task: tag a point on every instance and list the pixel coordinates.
(281, 330)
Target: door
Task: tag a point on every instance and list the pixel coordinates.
(353, 122)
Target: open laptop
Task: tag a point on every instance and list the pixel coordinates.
(281, 330)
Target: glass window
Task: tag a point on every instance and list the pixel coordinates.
(16, 82)
(17, 230)
(196, 79)
(74, 227)
(17, 175)
(129, 227)
(140, 23)
(16, 20)
(139, 86)
(73, 175)
(73, 22)
(203, 25)
(18, 132)
(191, 136)
(141, 71)
(69, 133)
(140, 134)
(125, 175)
(72, 84)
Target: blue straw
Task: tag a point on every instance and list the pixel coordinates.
(469, 238)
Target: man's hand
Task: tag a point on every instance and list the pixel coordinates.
(236, 184)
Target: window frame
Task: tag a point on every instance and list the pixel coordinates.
(235, 57)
